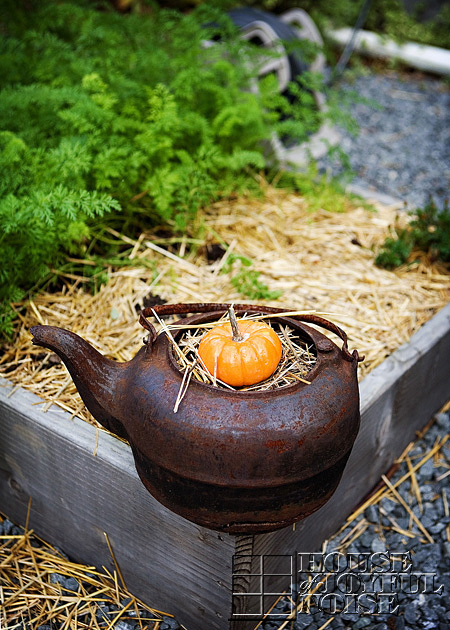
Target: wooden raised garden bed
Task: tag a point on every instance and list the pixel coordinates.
(82, 481)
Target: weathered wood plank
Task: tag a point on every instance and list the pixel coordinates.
(167, 561)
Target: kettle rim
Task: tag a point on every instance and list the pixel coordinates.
(305, 331)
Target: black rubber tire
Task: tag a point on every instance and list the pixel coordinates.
(244, 16)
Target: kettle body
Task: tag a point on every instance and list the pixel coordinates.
(233, 461)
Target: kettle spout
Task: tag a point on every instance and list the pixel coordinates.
(95, 376)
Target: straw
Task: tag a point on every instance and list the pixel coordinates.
(402, 501)
(32, 595)
(297, 359)
(321, 261)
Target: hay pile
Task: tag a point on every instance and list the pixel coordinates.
(321, 261)
(41, 588)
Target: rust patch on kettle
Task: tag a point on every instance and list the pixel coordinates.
(278, 445)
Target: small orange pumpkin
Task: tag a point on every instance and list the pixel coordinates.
(245, 355)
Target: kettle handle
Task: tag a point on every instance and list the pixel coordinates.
(183, 309)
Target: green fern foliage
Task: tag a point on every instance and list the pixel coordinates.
(122, 116)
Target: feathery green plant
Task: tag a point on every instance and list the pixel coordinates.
(123, 119)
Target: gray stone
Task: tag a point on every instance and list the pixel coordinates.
(432, 434)
(427, 492)
(371, 514)
(427, 522)
(404, 493)
(427, 470)
(427, 558)
(439, 504)
(443, 421)
(429, 509)
(302, 621)
(398, 512)
(102, 613)
(378, 545)
(444, 580)
(7, 527)
(441, 612)
(394, 541)
(413, 543)
(366, 539)
(402, 520)
(57, 578)
(437, 528)
(410, 614)
(430, 614)
(71, 584)
(362, 622)
(388, 505)
(354, 547)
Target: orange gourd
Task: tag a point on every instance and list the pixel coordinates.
(243, 355)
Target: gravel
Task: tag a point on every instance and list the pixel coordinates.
(403, 145)
(429, 610)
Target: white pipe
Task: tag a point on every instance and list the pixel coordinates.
(428, 58)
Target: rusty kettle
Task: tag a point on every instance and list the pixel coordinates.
(233, 461)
